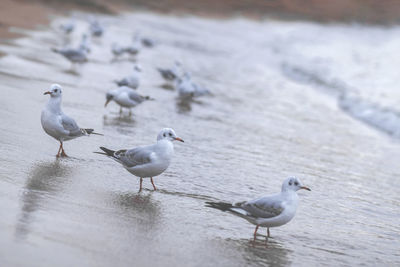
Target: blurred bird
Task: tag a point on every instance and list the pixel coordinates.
(117, 50)
(133, 80)
(270, 211)
(188, 90)
(170, 75)
(125, 97)
(84, 45)
(67, 27)
(74, 55)
(95, 28)
(135, 47)
(57, 124)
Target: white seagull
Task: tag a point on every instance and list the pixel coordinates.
(146, 161)
(85, 45)
(188, 90)
(170, 75)
(270, 211)
(57, 124)
(68, 27)
(95, 28)
(133, 80)
(125, 97)
(135, 47)
(117, 50)
(74, 55)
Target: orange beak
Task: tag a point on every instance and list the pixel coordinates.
(305, 188)
(179, 139)
(47, 93)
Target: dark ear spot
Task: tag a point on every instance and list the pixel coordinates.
(164, 134)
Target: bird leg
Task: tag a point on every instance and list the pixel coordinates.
(255, 233)
(59, 150)
(141, 181)
(130, 112)
(151, 179)
(120, 110)
(268, 235)
(62, 151)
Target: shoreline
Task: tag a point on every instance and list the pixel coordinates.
(28, 14)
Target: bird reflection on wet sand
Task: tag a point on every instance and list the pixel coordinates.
(45, 179)
(145, 211)
(275, 255)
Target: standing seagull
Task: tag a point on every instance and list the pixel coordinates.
(133, 80)
(146, 161)
(187, 89)
(74, 55)
(172, 74)
(57, 124)
(269, 211)
(125, 97)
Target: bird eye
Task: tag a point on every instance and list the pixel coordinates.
(55, 90)
(164, 135)
(296, 183)
(290, 183)
(170, 134)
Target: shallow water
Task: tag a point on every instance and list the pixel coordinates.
(289, 98)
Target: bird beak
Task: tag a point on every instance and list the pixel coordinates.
(47, 93)
(179, 139)
(108, 101)
(306, 188)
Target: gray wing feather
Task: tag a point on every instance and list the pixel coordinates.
(136, 156)
(70, 125)
(262, 208)
(135, 97)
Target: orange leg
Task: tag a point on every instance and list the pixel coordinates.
(62, 151)
(255, 233)
(151, 179)
(59, 150)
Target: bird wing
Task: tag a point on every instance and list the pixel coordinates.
(135, 96)
(136, 156)
(70, 125)
(266, 207)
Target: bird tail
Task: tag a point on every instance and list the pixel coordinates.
(223, 206)
(107, 152)
(91, 131)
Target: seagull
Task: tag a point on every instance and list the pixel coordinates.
(57, 124)
(74, 55)
(135, 47)
(187, 89)
(170, 75)
(95, 28)
(125, 97)
(68, 27)
(147, 42)
(269, 211)
(146, 161)
(84, 45)
(132, 80)
(117, 50)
